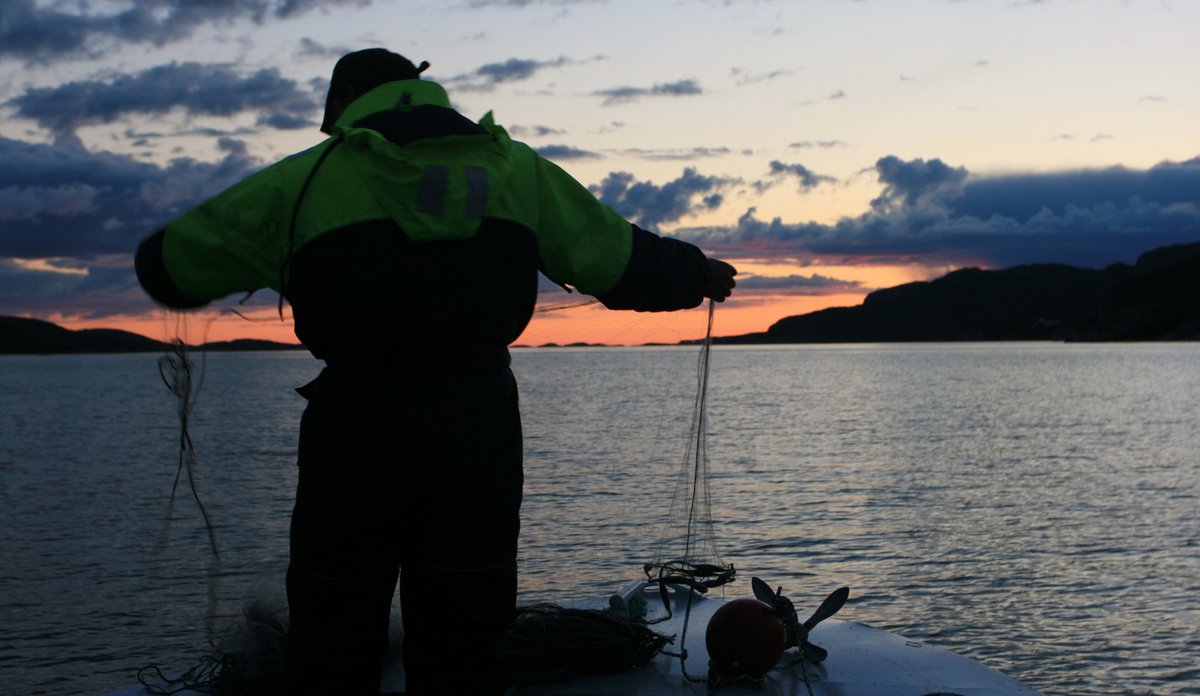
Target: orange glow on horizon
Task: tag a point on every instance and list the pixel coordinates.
(745, 313)
(585, 324)
(199, 327)
(595, 324)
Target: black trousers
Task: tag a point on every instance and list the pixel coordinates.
(411, 475)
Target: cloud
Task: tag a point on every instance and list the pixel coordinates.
(51, 32)
(806, 178)
(1099, 137)
(234, 147)
(487, 77)
(534, 131)
(676, 154)
(930, 212)
(814, 284)
(65, 202)
(70, 220)
(624, 95)
(516, 69)
(30, 202)
(195, 88)
(650, 205)
(915, 183)
(476, 4)
(146, 135)
(95, 292)
(1022, 197)
(743, 77)
(565, 152)
(823, 144)
(311, 48)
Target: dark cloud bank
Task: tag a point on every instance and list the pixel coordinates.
(48, 33)
(194, 88)
(487, 77)
(650, 205)
(627, 94)
(87, 210)
(931, 212)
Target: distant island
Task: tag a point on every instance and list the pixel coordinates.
(19, 335)
(1157, 299)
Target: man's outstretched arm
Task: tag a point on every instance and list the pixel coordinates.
(665, 274)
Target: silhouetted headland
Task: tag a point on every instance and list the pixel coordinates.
(1158, 298)
(21, 335)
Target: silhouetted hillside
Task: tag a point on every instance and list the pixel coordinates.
(21, 335)
(1156, 299)
(249, 344)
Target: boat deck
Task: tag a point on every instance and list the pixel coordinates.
(863, 661)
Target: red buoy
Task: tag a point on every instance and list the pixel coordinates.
(744, 637)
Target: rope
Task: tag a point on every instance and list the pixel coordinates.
(804, 672)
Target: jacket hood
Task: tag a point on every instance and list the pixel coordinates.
(436, 187)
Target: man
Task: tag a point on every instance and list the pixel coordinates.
(408, 245)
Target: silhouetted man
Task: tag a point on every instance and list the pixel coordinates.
(408, 244)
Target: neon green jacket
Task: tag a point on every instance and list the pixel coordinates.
(413, 224)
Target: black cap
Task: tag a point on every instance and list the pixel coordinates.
(363, 71)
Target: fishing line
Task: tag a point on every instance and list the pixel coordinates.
(258, 320)
(690, 524)
(566, 305)
(699, 427)
(182, 378)
(699, 567)
(546, 643)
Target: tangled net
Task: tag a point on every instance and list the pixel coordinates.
(546, 643)
(246, 662)
(549, 643)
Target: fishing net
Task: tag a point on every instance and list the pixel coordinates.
(247, 660)
(686, 552)
(548, 643)
(184, 379)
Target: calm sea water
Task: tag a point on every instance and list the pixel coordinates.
(1034, 506)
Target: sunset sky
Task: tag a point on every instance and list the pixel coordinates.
(825, 147)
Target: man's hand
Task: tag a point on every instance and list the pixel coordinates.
(720, 280)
